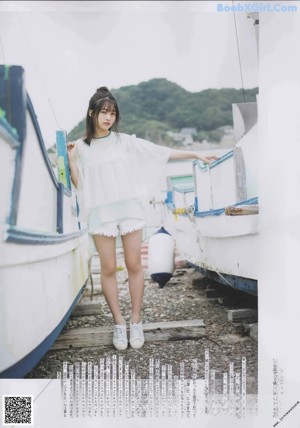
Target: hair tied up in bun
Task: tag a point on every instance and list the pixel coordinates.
(103, 92)
(103, 89)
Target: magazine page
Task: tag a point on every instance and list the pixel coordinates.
(126, 306)
(278, 351)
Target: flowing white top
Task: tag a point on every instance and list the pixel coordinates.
(117, 174)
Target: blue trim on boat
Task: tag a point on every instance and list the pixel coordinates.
(30, 237)
(12, 100)
(247, 285)
(8, 135)
(60, 209)
(26, 364)
(184, 189)
(210, 213)
(15, 103)
(204, 167)
(169, 198)
(62, 157)
(17, 177)
(219, 211)
(41, 141)
(251, 201)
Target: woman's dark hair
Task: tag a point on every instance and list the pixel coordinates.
(102, 98)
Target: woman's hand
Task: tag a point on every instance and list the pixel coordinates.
(71, 151)
(206, 159)
(184, 154)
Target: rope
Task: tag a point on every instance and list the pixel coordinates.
(224, 279)
(239, 55)
(37, 69)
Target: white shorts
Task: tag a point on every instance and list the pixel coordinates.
(124, 226)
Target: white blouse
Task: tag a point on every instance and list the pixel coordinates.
(117, 175)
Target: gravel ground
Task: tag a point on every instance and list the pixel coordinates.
(182, 298)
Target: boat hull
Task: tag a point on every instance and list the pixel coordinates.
(37, 298)
(214, 215)
(44, 247)
(219, 257)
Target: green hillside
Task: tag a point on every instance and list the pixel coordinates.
(151, 109)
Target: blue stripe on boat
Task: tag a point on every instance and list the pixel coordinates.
(219, 211)
(22, 236)
(186, 189)
(204, 167)
(246, 285)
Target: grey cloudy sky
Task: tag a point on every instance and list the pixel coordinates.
(68, 49)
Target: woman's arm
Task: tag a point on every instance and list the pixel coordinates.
(72, 163)
(185, 154)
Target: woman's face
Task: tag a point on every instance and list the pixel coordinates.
(106, 118)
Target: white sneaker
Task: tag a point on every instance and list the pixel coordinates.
(136, 335)
(120, 340)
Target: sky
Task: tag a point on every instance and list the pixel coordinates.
(70, 48)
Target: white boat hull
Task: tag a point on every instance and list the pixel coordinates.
(36, 300)
(226, 255)
(228, 226)
(44, 247)
(221, 243)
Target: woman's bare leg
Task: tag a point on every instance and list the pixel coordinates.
(132, 255)
(106, 247)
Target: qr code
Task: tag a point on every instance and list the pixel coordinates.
(18, 410)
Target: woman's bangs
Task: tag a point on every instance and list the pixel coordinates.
(108, 104)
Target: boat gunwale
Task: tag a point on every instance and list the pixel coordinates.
(203, 167)
(19, 235)
(41, 142)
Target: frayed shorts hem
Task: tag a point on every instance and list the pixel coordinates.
(120, 227)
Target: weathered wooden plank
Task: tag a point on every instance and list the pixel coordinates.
(242, 210)
(252, 330)
(95, 270)
(242, 315)
(97, 290)
(102, 336)
(228, 300)
(238, 301)
(173, 324)
(232, 339)
(214, 293)
(87, 308)
(201, 281)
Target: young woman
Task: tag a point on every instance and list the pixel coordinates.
(114, 174)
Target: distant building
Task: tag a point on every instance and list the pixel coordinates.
(187, 134)
(227, 130)
(188, 131)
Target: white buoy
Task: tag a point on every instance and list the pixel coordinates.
(161, 257)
